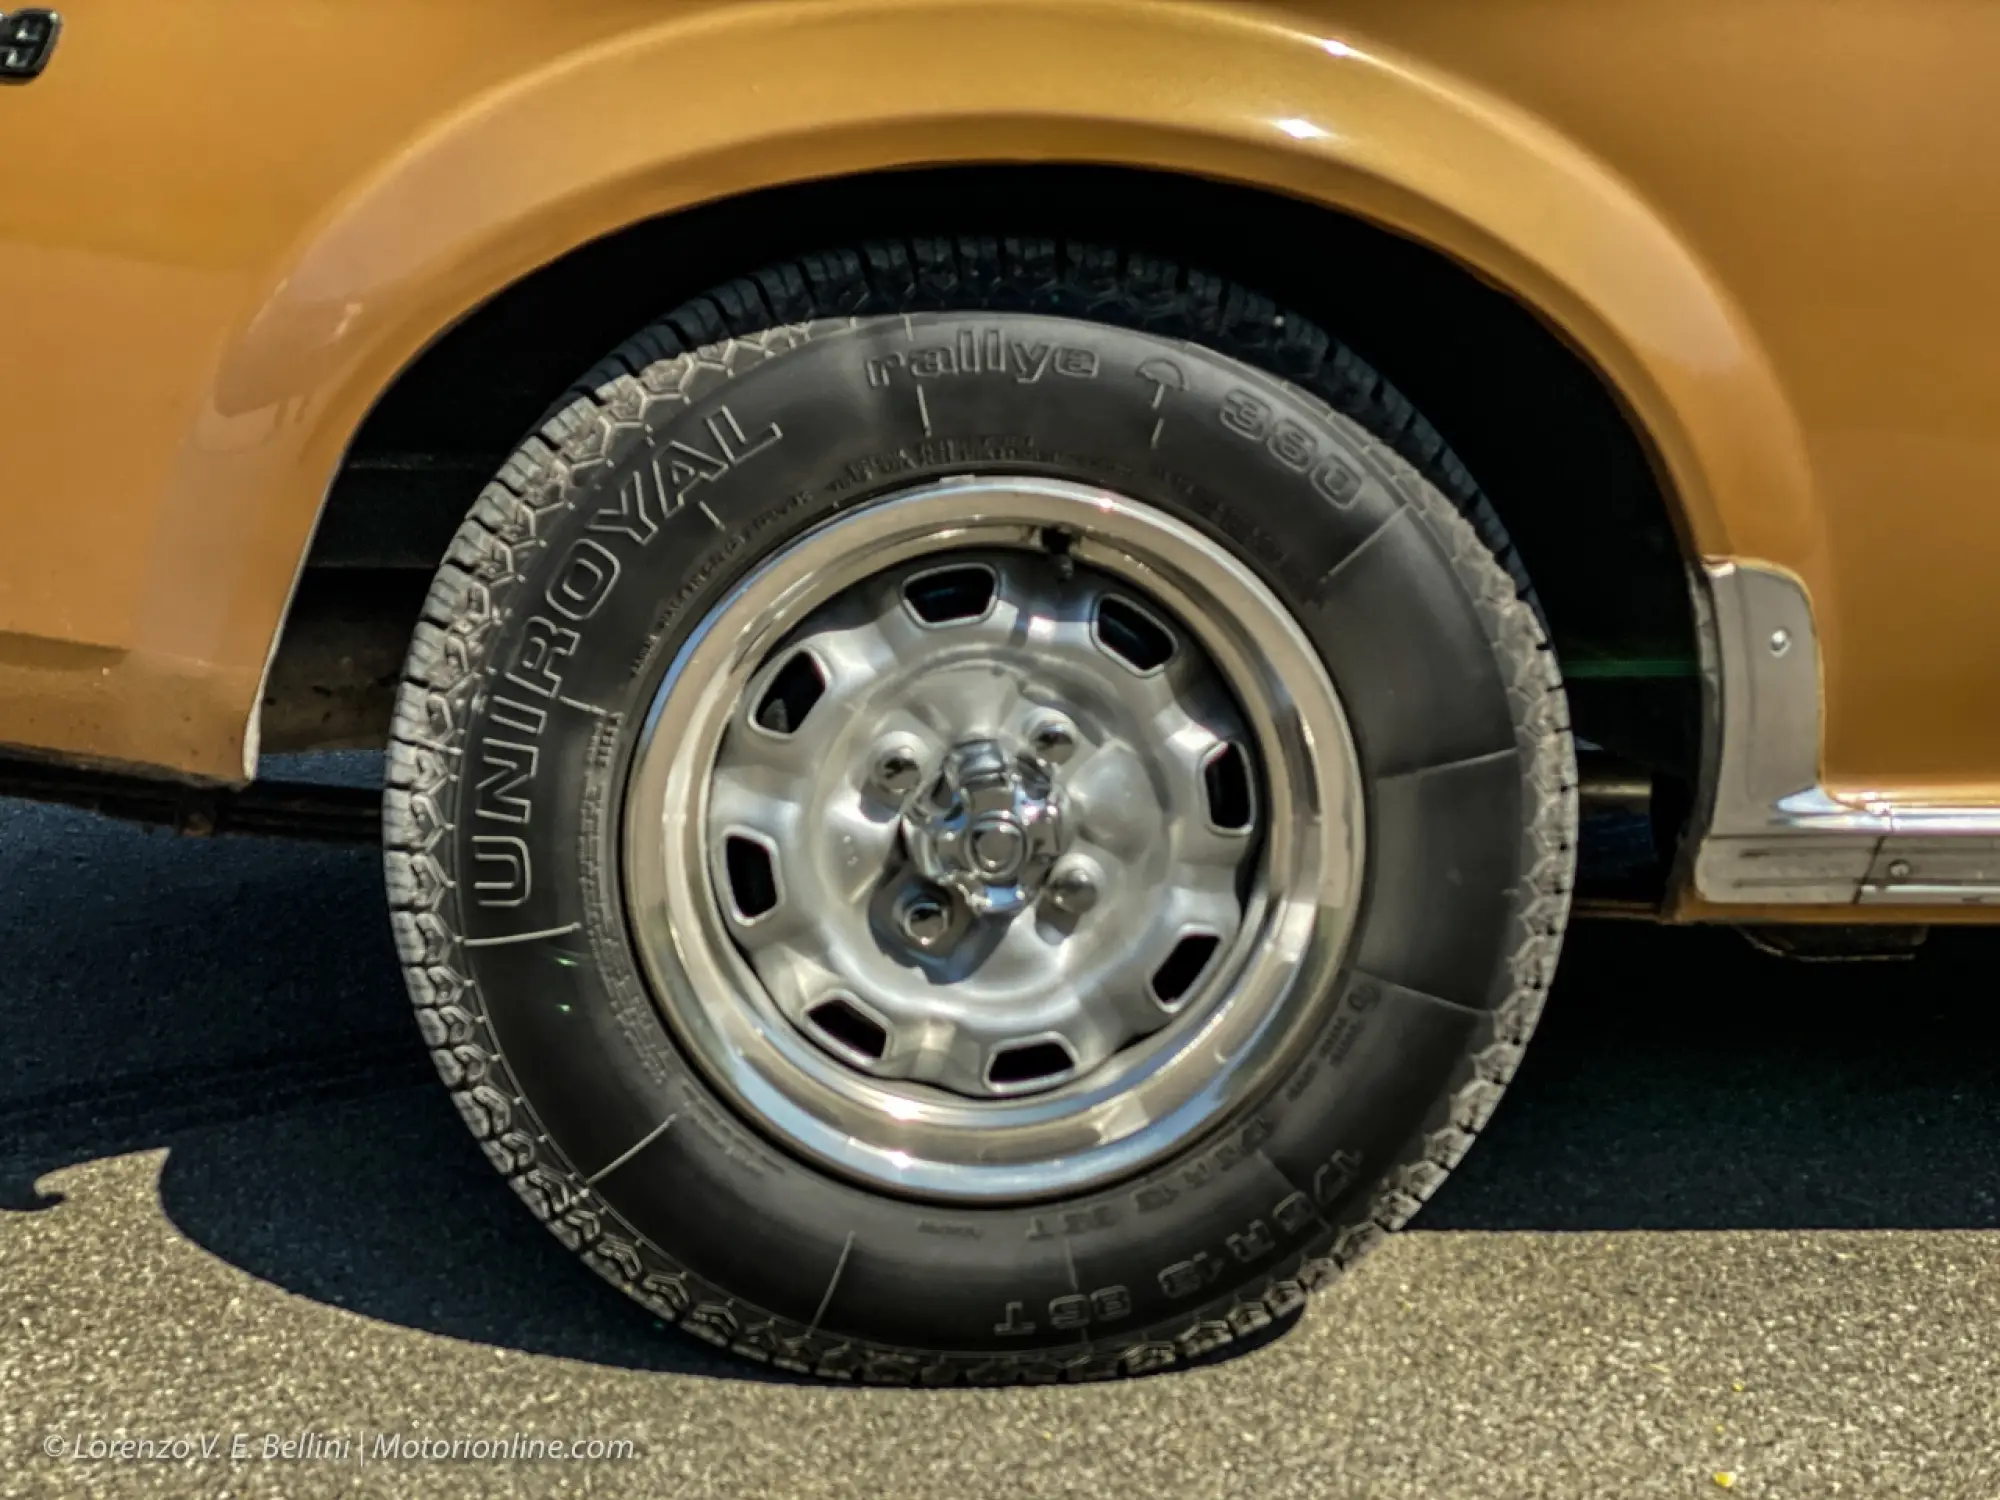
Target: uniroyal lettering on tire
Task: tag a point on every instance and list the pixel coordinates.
(771, 411)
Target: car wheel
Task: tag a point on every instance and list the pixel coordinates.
(978, 810)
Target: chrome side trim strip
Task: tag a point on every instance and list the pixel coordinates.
(1773, 834)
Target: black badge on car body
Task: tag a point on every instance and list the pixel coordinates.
(26, 39)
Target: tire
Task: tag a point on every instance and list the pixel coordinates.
(762, 416)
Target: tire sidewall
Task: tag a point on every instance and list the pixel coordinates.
(666, 489)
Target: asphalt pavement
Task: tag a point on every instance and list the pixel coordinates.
(1735, 1230)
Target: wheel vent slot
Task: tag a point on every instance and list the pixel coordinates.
(1226, 780)
(843, 1023)
(753, 877)
(1132, 635)
(796, 687)
(1028, 1063)
(952, 596)
(1173, 980)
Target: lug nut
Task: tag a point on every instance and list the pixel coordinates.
(897, 771)
(924, 919)
(1054, 739)
(1073, 884)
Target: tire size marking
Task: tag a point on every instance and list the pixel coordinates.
(1198, 1173)
(1073, 1310)
(1291, 1215)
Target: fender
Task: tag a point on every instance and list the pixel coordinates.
(708, 102)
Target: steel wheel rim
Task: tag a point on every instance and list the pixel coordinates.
(1156, 1093)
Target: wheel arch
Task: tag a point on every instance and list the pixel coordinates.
(505, 192)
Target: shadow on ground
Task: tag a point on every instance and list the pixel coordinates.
(239, 1003)
(1681, 1080)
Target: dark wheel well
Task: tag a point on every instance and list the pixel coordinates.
(1539, 429)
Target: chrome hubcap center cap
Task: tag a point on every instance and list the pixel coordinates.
(988, 827)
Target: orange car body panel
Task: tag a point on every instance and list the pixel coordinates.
(225, 228)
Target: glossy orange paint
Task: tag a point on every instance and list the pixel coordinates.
(1767, 223)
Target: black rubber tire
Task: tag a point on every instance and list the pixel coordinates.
(560, 602)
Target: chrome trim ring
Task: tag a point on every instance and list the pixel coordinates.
(836, 802)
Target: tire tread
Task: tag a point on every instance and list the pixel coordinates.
(753, 318)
